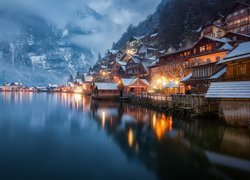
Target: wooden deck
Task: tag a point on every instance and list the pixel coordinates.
(194, 104)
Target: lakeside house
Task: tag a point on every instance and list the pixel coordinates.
(234, 91)
(14, 86)
(134, 86)
(105, 90)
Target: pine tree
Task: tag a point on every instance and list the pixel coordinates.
(189, 27)
(78, 75)
(71, 79)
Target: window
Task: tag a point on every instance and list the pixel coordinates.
(208, 60)
(217, 58)
(241, 70)
(202, 48)
(236, 13)
(195, 49)
(208, 47)
(242, 11)
(219, 34)
(235, 38)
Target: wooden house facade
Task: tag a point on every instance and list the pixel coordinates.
(170, 68)
(237, 20)
(206, 53)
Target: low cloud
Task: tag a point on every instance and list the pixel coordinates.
(116, 16)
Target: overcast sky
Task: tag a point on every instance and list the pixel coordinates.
(118, 14)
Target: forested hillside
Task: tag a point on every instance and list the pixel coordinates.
(178, 20)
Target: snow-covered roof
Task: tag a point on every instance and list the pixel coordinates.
(135, 59)
(124, 68)
(219, 74)
(122, 63)
(106, 86)
(171, 84)
(226, 46)
(240, 52)
(16, 84)
(78, 81)
(153, 35)
(222, 40)
(104, 67)
(238, 89)
(186, 78)
(52, 86)
(128, 82)
(88, 78)
(112, 51)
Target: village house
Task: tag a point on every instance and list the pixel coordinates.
(233, 91)
(133, 44)
(105, 90)
(118, 69)
(202, 63)
(138, 67)
(114, 55)
(14, 86)
(146, 52)
(237, 20)
(168, 71)
(214, 29)
(134, 86)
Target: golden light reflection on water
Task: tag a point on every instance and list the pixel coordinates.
(130, 138)
(103, 119)
(74, 101)
(17, 97)
(162, 125)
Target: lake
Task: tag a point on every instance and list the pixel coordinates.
(69, 136)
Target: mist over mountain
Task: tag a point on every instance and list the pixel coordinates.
(30, 44)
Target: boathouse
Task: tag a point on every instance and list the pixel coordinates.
(104, 90)
(134, 86)
(234, 92)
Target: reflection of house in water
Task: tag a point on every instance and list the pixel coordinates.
(149, 137)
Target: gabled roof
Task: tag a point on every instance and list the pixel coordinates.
(129, 82)
(106, 86)
(154, 35)
(240, 52)
(238, 89)
(114, 52)
(88, 78)
(227, 47)
(219, 74)
(122, 63)
(186, 78)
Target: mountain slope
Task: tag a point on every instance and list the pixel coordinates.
(31, 47)
(177, 20)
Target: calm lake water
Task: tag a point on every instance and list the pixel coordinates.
(67, 136)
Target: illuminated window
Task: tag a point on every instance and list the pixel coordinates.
(241, 70)
(242, 11)
(202, 48)
(208, 47)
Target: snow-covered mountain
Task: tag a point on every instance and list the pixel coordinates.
(37, 52)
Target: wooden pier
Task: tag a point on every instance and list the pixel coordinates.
(192, 104)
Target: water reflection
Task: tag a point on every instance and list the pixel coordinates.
(176, 148)
(78, 137)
